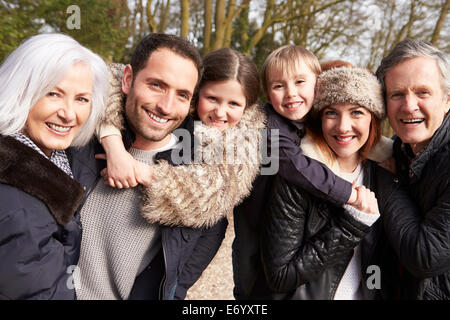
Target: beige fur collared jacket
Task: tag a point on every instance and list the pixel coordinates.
(198, 194)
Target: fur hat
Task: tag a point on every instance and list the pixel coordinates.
(349, 85)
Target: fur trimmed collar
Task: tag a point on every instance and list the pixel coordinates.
(247, 132)
(200, 194)
(311, 150)
(25, 169)
(253, 118)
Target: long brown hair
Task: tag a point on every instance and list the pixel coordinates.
(228, 64)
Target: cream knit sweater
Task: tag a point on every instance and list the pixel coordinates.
(117, 241)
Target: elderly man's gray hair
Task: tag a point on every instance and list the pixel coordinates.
(408, 49)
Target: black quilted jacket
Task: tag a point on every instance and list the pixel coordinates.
(308, 243)
(421, 237)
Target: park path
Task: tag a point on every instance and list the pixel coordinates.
(216, 282)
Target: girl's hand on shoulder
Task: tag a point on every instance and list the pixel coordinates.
(138, 173)
(143, 173)
(120, 170)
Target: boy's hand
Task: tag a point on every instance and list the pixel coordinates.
(353, 196)
(366, 201)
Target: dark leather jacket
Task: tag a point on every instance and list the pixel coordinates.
(313, 176)
(307, 243)
(421, 236)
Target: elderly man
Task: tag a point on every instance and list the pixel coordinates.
(415, 78)
(122, 255)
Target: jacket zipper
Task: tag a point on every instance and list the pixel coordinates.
(163, 281)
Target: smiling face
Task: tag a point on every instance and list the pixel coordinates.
(346, 129)
(292, 93)
(221, 103)
(55, 119)
(159, 97)
(416, 105)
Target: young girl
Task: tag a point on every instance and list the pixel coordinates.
(198, 194)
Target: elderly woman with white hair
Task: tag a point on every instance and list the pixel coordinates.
(53, 96)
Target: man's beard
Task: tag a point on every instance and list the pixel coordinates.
(139, 126)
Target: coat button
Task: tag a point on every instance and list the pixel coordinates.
(84, 188)
(396, 180)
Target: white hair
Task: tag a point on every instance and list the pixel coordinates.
(35, 68)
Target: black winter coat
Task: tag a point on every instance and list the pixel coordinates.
(307, 243)
(40, 230)
(421, 237)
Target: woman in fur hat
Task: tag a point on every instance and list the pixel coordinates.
(52, 98)
(315, 250)
(225, 156)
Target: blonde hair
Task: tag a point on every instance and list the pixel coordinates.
(287, 59)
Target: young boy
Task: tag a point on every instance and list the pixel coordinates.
(288, 77)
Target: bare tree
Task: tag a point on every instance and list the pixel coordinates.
(416, 19)
(225, 13)
(184, 18)
(440, 22)
(207, 31)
